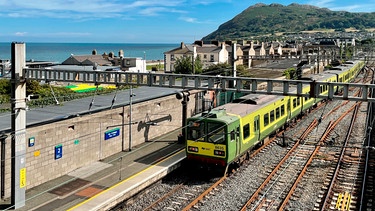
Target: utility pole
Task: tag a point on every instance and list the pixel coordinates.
(18, 126)
(184, 96)
(130, 117)
(234, 59)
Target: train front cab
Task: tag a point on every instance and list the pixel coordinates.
(209, 142)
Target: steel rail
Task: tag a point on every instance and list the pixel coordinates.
(164, 197)
(325, 135)
(336, 172)
(369, 124)
(200, 197)
(270, 176)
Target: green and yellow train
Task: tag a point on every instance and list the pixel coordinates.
(226, 134)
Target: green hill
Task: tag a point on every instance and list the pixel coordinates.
(262, 19)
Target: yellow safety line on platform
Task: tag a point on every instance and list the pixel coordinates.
(98, 194)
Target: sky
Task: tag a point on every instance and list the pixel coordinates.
(131, 21)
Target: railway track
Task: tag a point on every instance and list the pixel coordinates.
(294, 177)
(367, 196)
(261, 199)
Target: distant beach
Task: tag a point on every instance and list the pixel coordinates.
(59, 52)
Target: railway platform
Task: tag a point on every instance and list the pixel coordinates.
(105, 183)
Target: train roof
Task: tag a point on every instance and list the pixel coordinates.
(249, 103)
(318, 77)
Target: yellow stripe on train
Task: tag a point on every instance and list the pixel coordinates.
(207, 149)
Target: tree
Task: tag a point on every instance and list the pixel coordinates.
(4, 86)
(198, 66)
(184, 65)
(217, 69)
(290, 73)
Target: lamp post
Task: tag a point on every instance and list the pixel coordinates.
(2, 161)
(184, 96)
(130, 116)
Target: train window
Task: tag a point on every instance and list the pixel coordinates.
(298, 101)
(272, 116)
(216, 132)
(195, 130)
(233, 135)
(282, 110)
(246, 131)
(277, 112)
(294, 102)
(256, 125)
(266, 119)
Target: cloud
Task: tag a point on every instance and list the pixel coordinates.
(343, 5)
(189, 19)
(321, 3)
(87, 9)
(153, 11)
(20, 34)
(195, 20)
(355, 8)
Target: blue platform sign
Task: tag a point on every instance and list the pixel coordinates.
(111, 133)
(58, 151)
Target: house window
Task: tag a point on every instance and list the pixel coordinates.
(172, 57)
(212, 58)
(127, 62)
(205, 56)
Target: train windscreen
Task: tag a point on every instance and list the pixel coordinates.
(216, 132)
(212, 132)
(195, 131)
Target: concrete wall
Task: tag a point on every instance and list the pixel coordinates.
(83, 141)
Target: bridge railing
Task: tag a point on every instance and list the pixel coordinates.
(203, 82)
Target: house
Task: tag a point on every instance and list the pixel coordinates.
(338, 41)
(87, 60)
(132, 64)
(212, 53)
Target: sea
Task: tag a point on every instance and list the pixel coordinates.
(59, 52)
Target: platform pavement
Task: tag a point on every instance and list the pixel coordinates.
(77, 186)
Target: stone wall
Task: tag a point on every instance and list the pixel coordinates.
(82, 140)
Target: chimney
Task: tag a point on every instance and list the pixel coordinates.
(111, 54)
(199, 42)
(121, 54)
(215, 42)
(182, 45)
(223, 45)
(241, 42)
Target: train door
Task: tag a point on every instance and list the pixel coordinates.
(237, 138)
(257, 128)
(289, 110)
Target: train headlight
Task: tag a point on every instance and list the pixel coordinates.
(192, 149)
(219, 153)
